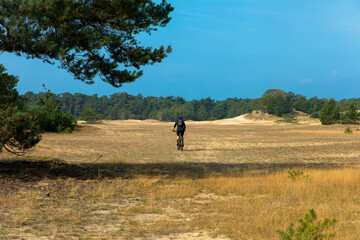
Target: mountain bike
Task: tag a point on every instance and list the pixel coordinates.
(180, 142)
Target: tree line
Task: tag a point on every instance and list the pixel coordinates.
(121, 106)
(281, 103)
(125, 106)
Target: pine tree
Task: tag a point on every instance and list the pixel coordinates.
(350, 116)
(18, 129)
(49, 115)
(329, 113)
(88, 37)
(278, 102)
(90, 116)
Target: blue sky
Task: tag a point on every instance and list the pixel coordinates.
(235, 48)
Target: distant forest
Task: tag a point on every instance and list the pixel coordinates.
(126, 106)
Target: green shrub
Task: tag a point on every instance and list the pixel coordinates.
(68, 130)
(348, 130)
(295, 173)
(310, 229)
(291, 118)
(50, 117)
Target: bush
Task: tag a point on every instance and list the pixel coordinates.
(310, 229)
(291, 118)
(348, 130)
(50, 117)
(293, 174)
(19, 132)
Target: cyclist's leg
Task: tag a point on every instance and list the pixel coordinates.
(182, 137)
(177, 137)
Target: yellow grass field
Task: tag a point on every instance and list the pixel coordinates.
(127, 180)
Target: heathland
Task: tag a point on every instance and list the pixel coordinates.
(125, 179)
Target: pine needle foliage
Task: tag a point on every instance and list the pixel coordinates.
(350, 116)
(88, 37)
(50, 117)
(329, 113)
(309, 228)
(295, 174)
(90, 116)
(19, 132)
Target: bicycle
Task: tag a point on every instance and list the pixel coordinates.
(180, 142)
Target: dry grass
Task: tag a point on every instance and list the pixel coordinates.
(150, 207)
(230, 182)
(255, 206)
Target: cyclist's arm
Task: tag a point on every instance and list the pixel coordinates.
(184, 126)
(174, 126)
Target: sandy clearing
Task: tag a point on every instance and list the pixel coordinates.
(228, 121)
(239, 120)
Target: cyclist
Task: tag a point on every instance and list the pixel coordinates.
(181, 127)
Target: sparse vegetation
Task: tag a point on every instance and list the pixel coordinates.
(295, 174)
(234, 185)
(289, 117)
(310, 228)
(155, 206)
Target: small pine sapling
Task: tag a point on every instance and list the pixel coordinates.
(310, 228)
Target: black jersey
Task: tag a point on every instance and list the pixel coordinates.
(181, 126)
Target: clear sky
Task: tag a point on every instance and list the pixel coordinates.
(235, 48)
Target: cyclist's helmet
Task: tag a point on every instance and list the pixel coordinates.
(179, 117)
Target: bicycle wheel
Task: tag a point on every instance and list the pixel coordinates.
(181, 144)
(178, 144)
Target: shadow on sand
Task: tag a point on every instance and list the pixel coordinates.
(36, 170)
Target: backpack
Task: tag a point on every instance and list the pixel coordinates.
(180, 123)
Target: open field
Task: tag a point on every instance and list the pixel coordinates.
(230, 182)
